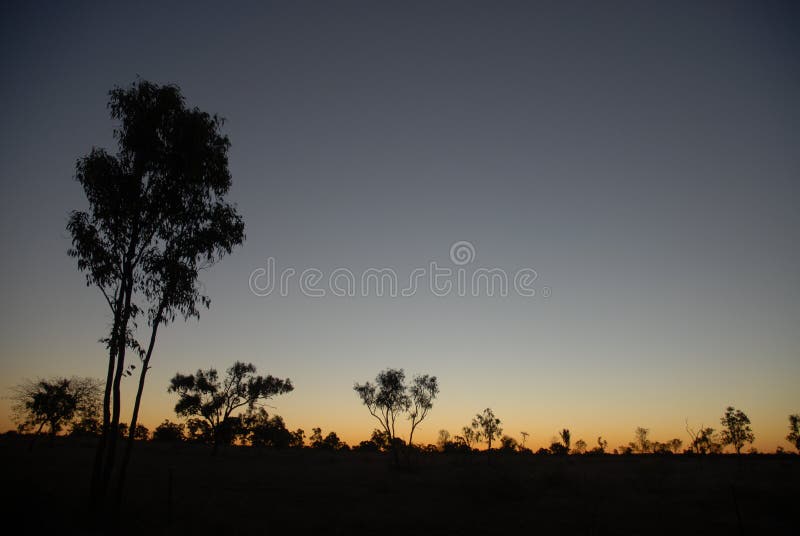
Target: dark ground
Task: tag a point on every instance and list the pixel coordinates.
(257, 491)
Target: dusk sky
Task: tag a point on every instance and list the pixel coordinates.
(642, 157)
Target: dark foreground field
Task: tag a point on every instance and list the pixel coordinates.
(251, 491)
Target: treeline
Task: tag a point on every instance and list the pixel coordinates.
(207, 402)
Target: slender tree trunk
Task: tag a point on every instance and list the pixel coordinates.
(99, 456)
(117, 391)
(135, 417)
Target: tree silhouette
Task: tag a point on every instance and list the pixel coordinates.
(329, 442)
(86, 426)
(389, 397)
(557, 447)
(157, 216)
(204, 395)
(580, 447)
(423, 391)
(508, 444)
(736, 429)
(54, 403)
(794, 431)
(704, 441)
(601, 447)
(642, 445)
(566, 438)
(444, 440)
(168, 431)
(488, 426)
(469, 437)
(263, 430)
(524, 438)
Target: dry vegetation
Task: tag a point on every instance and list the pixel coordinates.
(260, 491)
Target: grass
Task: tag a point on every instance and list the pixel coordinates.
(259, 491)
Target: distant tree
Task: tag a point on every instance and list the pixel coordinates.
(378, 442)
(471, 436)
(657, 447)
(85, 427)
(794, 431)
(580, 447)
(736, 429)
(707, 442)
(140, 434)
(316, 438)
(168, 431)
(508, 444)
(55, 403)
(488, 426)
(675, 445)
(386, 400)
(199, 431)
(422, 391)
(566, 438)
(298, 439)
(157, 215)
(261, 430)
(558, 448)
(122, 429)
(642, 445)
(204, 395)
(443, 440)
(524, 438)
(329, 442)
(389, 397)
(601, 447)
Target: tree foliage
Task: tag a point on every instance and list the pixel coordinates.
(389, 398)
(55, 403)
(168, 431)
(736, 429)
(794, 431)
(157, 215)
(488, 426)
(205, 395)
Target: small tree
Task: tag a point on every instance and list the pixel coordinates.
(85, 427)
(642, 445)
(168, 431)
(794, 431)
(601, 447)
(488, 426)
(423, 391)
(264, 431)
(471, 436)
(704, 441)
(298, 439)
(566, 438)
(389, 397)
(508, 444)
(580, 447)
(55, 403)
(204, 395)
(444, 440)
(736, 429)
(329, 442)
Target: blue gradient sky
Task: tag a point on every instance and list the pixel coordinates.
(641, 156)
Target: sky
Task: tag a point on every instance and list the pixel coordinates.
(641, 157)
